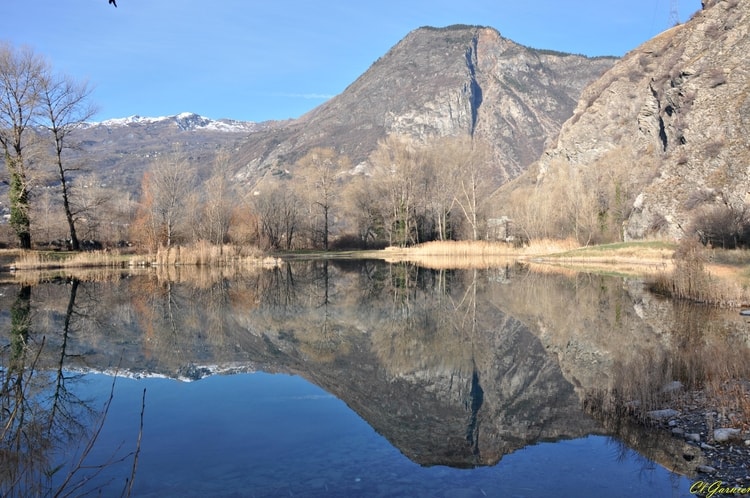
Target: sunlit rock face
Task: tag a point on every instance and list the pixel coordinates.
(669, 121)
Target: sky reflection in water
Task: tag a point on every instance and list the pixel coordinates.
(279, 435)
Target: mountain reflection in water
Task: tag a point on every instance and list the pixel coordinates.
(454, 368)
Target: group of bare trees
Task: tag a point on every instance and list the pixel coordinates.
(409, 192)
(39, 111)
(420, 191)
(177, 206)
(589, 205)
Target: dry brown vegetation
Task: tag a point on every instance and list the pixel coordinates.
(706, 276)
(201, 253)
(686, 271)
(37, 260)
(637, 258)
(706, 354)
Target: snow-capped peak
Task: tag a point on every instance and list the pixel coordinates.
(186, 121)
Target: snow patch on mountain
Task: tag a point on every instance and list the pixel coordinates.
(186, 121)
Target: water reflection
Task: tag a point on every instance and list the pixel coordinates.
(47, 430)
(454, 368)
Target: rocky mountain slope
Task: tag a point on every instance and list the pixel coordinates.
(459, 80)
(667, 126)
(119, 150)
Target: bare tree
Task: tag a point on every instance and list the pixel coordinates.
(362, 203)
(398, 169)
(65, 106)
(443, 179)
(219, 201)
(319, 170)
(91, 208)
(279, 216)
(167, 189)
(20, 76)
(474, 180)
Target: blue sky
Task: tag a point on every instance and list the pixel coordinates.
(258, 60)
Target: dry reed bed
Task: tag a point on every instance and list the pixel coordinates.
(36, 260)
(471, 254)
(206, 254)
(199, 254)
(688, 271)
(637, 259)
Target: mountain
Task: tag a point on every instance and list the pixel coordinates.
(658, 143)
(119, 150)
(458, 80)
(186, 121)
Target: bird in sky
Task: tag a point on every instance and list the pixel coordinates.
(113, 2)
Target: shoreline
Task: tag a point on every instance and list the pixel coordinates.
(713, 431)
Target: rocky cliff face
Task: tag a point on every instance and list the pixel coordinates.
(459, 80)
(675, 114)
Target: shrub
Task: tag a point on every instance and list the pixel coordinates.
(689, 278)
(351, 242)
(722, 226)
(699, 197)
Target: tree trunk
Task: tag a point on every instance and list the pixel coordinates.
(19, 209)
(74, 244)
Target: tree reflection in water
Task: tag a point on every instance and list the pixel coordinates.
(47, 431)
(454, 367)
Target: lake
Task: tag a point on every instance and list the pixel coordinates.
(344, 378)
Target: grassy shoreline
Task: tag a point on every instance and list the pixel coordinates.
(724, 275)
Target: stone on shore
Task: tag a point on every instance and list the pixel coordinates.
(725, 434)
(662, 414)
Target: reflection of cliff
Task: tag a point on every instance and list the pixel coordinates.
(454, 368)
(611, 335)
(456, 343)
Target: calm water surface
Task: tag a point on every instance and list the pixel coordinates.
(344, 379)
(278, 435)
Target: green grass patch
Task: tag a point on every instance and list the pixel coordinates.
(618, 248)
